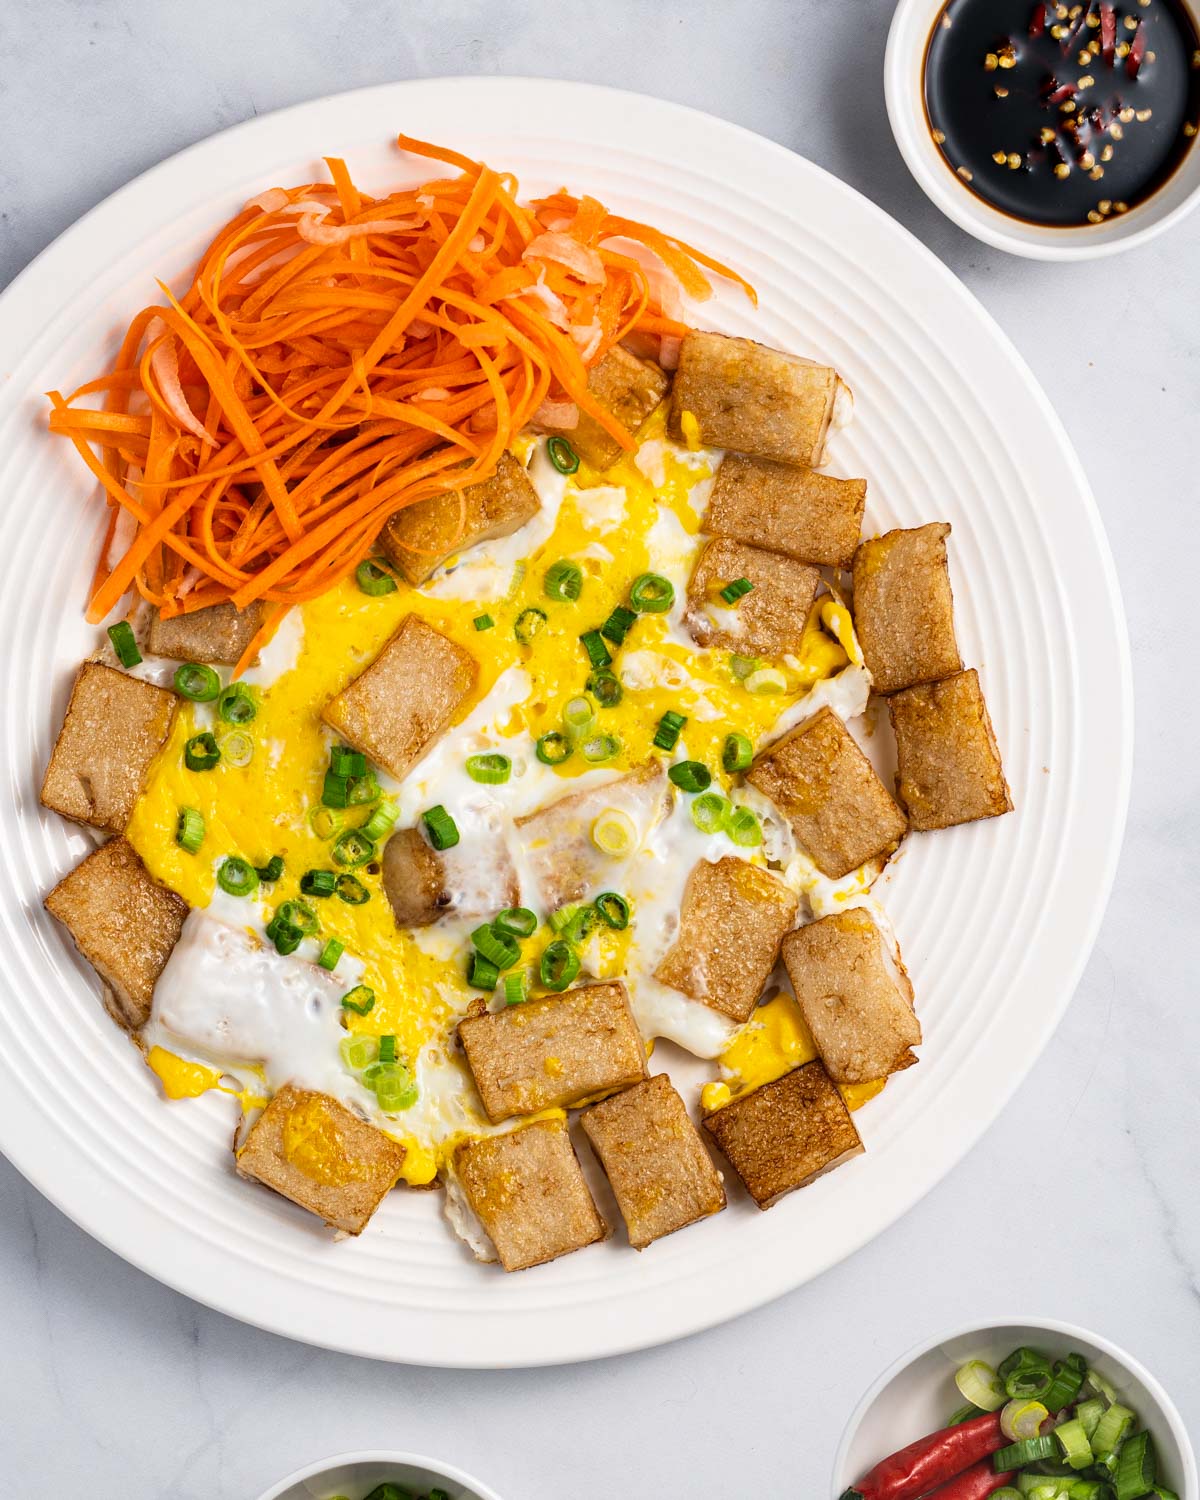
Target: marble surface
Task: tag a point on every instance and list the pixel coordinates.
(111, 1385)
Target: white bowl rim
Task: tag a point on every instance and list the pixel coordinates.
(436, 1466)
(970, 212)
(1188, 1483)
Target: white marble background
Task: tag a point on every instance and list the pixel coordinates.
(111, 1386)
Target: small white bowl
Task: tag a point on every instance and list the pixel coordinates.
(917, 1394)
(356, 1475)
(904, 89)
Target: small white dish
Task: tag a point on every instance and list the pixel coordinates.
(355, 1475)
(917, 1393)
(904, 90)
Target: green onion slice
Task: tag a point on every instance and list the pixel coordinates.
(652, 594)
(352, 891)
(346, 762)
(318, 883)
(598, 748)
(284, 935)
(362, 790)
(766, 680)
(124, 643)
(1022, 1419)
(237, 748)
(516, 987)
(614, 833)
(597, 652)
(605, 688)
(1137, 1466)
(330, 954)
(1112, 1429)
(201, 753)
(578, 714)
(580, 926)
(189, 830)
(691, 776)
(558, 966)
(980, 1385)
(618, 625)
(326, 822)
(497, 947)
(1076, 1450)
(711, 812)
(351, 849)
(298, 914)
(374, 578)
(515, 921)
(483, 622)
(743, 666)
(358, 1052)
(361, 1000)
(195, 681)
(529, 622)
(670, 727)
(271, 871)
(737, 753)
(491, 769)
(441, 827)
(553, 748)
(237, 877)
(1026, 1373)
(1067, 1383)
(237, 704)
(965, 1413)
(395, 1091)
(562, 455)
(335, 792)
(482, 973)
(382, 821)
(563, 581)
(387, 1049)
(744, 829)
(613, 910)
(1027, 1451)
(560, 920)
(736, 590)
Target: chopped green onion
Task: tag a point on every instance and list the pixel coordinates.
(396, 1091)
(980, 1385)
(1022, 1419)
(560, 920)
(670, 727)
(605, 688)
(124, 643)
(515, 921)
(1067, 1382)
(1137, 1466)
(1026, 1373)
(516, 990)
(1027, 1451)
(441, 827)
(598, 748)
(318, 883)
(581, 925)
(271, 871)
(387, 1049)
(744, 829)
(766, 680)
(330, 954)
(578, 714)
(559, 965)
(490, 769)
(562, 455)
(358, 1052)
(197, 682)
(1076, 1450)
(351, 849)
(284, 935)
(482, 973)
(297, 914)
(613, 910)
(737, 753)
(1112, 1429)
(742, 666)
(361, 999)
(652, 594)
(346, 762)
(237, 877)
(483, 622)
(189, 830)
(237, 748)
(597, 651)
(362, 790)
(382, 821)
(326, 822)
(1007, 1493)
(529, 622)
(1089, 1413)
(336, 790)
(614, 832)
(563, 581)
(553, 748)
(515, 582)
(237, 704)
(736, 590)
(1096, 1385)
(497, 947)
(965, 1414)
(201, 753)
(618, 625)
(374, 578)
(352, 891)
(711, 812)
(690, 776)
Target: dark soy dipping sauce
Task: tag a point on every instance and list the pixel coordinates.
(1063, 114)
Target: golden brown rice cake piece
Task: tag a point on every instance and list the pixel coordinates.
(769, 620)
(629, 388)
(311, 1149)
(419, 538)
(949, 763)
(753, 399)
(855, 998)
(528, 1192)
(405, 700)
(123, 922)
(904, 609)
(786, 1134)
(661, 1174)
(827, 789)
(115, 726)
(425, 885)
(217, 635)
(809, 516)
(554, 1052)
(733, 918)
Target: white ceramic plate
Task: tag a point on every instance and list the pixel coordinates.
(996, 920)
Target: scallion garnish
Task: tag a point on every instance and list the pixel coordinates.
(326, 822)
(515, 921)
(351, 849)
(441, 827)
(237, 704)
(691, 776)
(742, 666)
(330, 954)
(618, 625)
(1026, 1374)
(343, 761)
(318, 883)
(563, 581)
(271, 871)
(497, 947)
(237, 748)
(766, 680)
(352, 891)
(710, 812)
(744, 829)
(559, 965)
(737, 753)
(362, 790)
(490, 770)
(124, 643)
(374, 578)
(562, 455)
(237, 877)
(483, 622)
(482, 973)
(298, 914)
(1137, 1466)
(578, 714)
(652, 594)
(195, 681)
(581, 925)
(597, 651)
(613, 910)
(336, 790)
(189, 830)
(358, 1052)
(387, 1049)
(516, 990)
(614, 832)
(395, 1091)
(553, 748)
(361, 999)
(736, 590)
(598, 748)
(670, 727)
(382, 821)
(201, 753)
(560, 920)
(286, 937)
(529, 622)
(1027, 1451)
(605, 688)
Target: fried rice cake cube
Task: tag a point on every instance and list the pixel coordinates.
(628, 387)
(731, 923)
(405, 700)
(423, 884)
(123, 922)
(812, 517)
(786, 1134)
(312, 1150)
(904, 607)
(839, 811)
(769, 620)
(854, 996)
(656, 1163)
(734, 393)
(114, 727)
(527, 1190)
(949, 763)
(217, 635)
(421, 537)
(554, 1052)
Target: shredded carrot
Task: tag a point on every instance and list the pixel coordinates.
(338, 357)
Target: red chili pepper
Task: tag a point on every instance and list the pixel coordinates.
(1108, 33)
(976, 1484)
(1037, 23)
(1137, 52)
(931, 1461)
